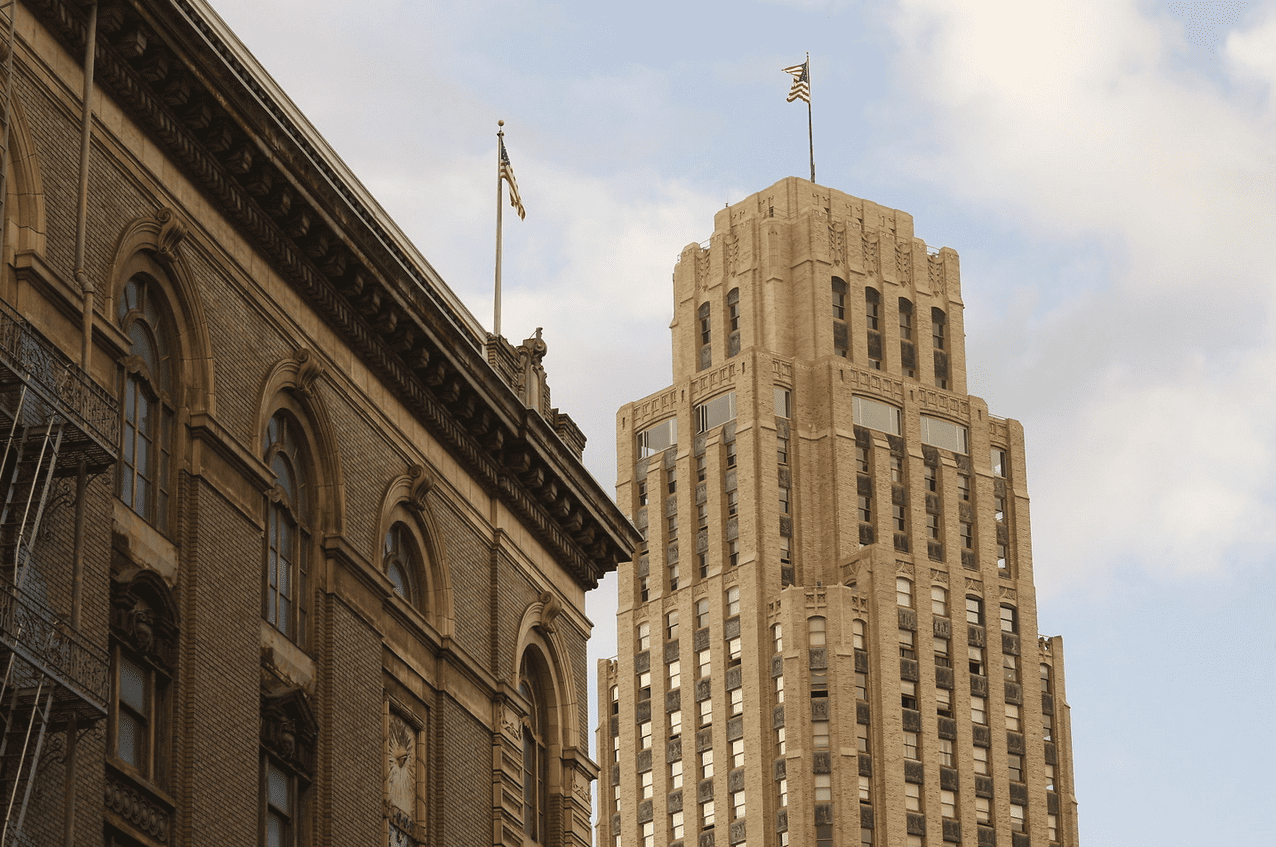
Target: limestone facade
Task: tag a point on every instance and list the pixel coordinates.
(293, 551)
(829, 635)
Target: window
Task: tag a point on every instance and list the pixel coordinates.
(138, 709)
(675, 723)
(644, 735)
(905, 320)
(948, 804)
(705, 326)
(1050, 775)
(908, 694)
(702, 663)
(671, 479)
(910, 746)
(672, 528)
(981, 760)
(706, 814)
(1013, 722)
(535, 752)
(932, 527)
(782, 792)
(823, 788)
(963, 487)
(733, 552)
(675, 674)
(784, 500)
(872, 307)
(999, 508)
(644, 685)
(967, 532)
(706, 712)
(702, 614)
(671, 625)
(932, 478)
(281, 812)
(1045, 678)
(997, 458)
(1015, 761)
(782, 449)
(733, 601)
(675, 774)
(783, 402)
(946, 757)
(287, 529)
(912, 797)
(400, 561)
(861, 736)
(861, 459)
(779, 689)
(937, 321)
(648, 834)
(644, 590)
(1017, 815)
(907, 644)
(730, 448)
(144, 471)
(657, 438)
(733, 650)
(779, 741)
(866, 789)
(644, 636)
(706, 764)
(645, 784)
(839, 299)
(876, 415)
(733, 310)
(820, 735)
(865, 508)
(942, 658)
(861, 686)
(1009, 619)
(978, 711)
(900, 517)
(943, 434)
(715, 412)
(786, 550)
(642, 492)
(702, 515)
(737, 753)
(857, 634)
(983, 810)
(1052, 827)
(976, 660)
(817, 631)
(897, 469)
(702, 468)
(974, 610)
(1010, 667)
(1001, 556)
(939, 601)
(676, 827)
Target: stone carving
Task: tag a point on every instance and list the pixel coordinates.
(144, 615)
(732, 242)
(400, 751)
(172, 233)
(288, 725)
(872, 260)
(308, 370)
(837, 243)
(136, 809)
(422, 484)
(904, 261)
(938, 576)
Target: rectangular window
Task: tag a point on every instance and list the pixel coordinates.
(983, 810)
(1013, 723)
(737, 804)
(908, 694)
(943, 702)
(905, 326)
(839, 305)
(702, 468)
(733, 552)
(644, 735)
(702, 614)
(999, 508)
(706, 764)
(1010, 667)
(733, 650)
(782, 449)
(783, 403)
(671, 625)
(943, 434)
(733, 503)
(820, 735)
(281, 798)
(967, 531)
(963, 487)
(672, 527)
(657, 438)
(779, 741)
(702, 561)
(907, 644)
(932, 527)
(910, 746)
(978, 711)
(1015, 761)
(981, 760)
(823, 788)
(644, 637)
(706, 712)
(876, 415)
(715, 412)
(932, 478)
(866, 789)
(675, 774)
(939, 601)
(942, 658)
(702, 515)
(733, 601)
(1017, 818)
(977, 660)
(135, 691)
(861, 737)
(786, 550)
(946, 756)
(676, 827)
(782, 792)
(900, 517)
(642, 492)
(948, 804)
(865, 509)
(706, 814)
(861, 686)
(645, 783)
(784, 501)
(912, 797)
(675, 723)
(737, 753)
(997, 458)
(730, 447)
(702, 663)
(861, 459)
(644, 685)
(897, 469)
(675, 674)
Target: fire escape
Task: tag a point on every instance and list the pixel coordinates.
(55, 423)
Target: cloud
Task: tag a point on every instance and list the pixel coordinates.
(1080, 124)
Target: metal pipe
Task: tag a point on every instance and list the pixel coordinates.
(82, 209)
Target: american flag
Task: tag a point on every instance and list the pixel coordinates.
(507, 174)
(801, 89)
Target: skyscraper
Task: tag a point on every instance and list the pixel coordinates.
(830, 633)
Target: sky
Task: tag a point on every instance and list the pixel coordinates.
(1106, 170)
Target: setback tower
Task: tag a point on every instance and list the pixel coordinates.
(831, 631)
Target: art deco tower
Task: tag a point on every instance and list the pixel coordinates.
(831, 632)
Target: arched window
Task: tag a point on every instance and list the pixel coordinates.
(287, 528)
(873, 315)
(535, 752)
(904, 592)
(402, 562)
(144, 473)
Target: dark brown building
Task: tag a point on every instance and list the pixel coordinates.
(293, 551)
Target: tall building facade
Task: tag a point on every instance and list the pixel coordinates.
(829, 635)
(292, 551)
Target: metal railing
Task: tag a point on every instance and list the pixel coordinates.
(59, 382)
(40, 638)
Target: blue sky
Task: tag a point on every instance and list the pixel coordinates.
(1107, 172)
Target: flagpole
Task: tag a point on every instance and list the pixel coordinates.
(810, 132)
(496, 317)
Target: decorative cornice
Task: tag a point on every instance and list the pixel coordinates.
(196, 94)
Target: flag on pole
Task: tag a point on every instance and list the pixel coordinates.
(507, 174)
(801, 89)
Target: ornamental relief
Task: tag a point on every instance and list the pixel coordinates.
(401, 764)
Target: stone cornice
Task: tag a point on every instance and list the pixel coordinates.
(176, 69)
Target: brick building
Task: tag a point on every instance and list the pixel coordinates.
(293, 551)
(829, 635)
